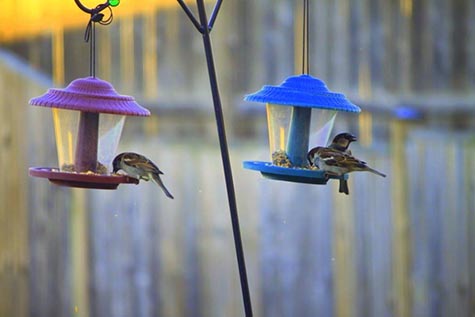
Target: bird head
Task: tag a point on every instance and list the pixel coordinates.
(342, 141)
(116, 163)
(311, 156)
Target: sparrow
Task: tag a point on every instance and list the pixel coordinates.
(338, 163)
(341, 142)
(139, 167)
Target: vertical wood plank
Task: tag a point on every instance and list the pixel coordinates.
(449, 243)
(319, 52)
(79, 253)
(127, 43)
(58, 56)
(365, 30)
(469, 188)
(379, 236)
(402, 292)
(287, 232)
(417, 43)
(403, 48)
(455, 267)
(104, 53)
(342, 56)
(150, 58)
(459, 16)
(442, 25)
(470, 43)
(389, 41)
(428, 38)
(376, 48)
(421, 235)
(433, 202)
(14, 249)
(344, 264)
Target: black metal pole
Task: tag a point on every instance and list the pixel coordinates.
(225, 156)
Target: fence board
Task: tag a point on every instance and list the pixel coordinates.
(373, 236)
(320, 35)
(343, 253)
(14, 249)
(469, 187)
(470, 43)
(296, 249)
(402, 295)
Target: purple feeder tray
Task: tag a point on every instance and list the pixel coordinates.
(93, 181)
(91, 96)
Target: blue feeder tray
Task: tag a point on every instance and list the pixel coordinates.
(302, 92)
(289, 174)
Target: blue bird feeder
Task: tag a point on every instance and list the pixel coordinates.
(300, 113)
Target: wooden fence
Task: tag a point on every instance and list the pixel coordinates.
(310, 251)
(13, 192)
(400, 246)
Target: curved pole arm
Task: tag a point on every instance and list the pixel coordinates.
(190, 15)
(214, 14)
(97, 9)
(200, 27)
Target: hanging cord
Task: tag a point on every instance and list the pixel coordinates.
(90, 35)
(305, 38)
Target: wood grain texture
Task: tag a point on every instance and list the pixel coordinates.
(14, 248)
(398, 246)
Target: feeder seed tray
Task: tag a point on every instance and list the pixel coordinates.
(82, 180)
(290, 174)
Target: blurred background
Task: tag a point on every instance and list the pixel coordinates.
(400, 246)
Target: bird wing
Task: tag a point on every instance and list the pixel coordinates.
(141, 162)
(340, 159)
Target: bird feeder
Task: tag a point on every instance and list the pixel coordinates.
(300, 114)
(88, 117)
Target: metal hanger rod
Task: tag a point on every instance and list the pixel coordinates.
(204, 27)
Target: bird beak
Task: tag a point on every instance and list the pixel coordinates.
(353, 138)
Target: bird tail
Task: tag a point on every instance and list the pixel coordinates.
(344, 186)
(159, 182)
(376, 172)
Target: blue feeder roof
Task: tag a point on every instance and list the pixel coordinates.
(303, 91)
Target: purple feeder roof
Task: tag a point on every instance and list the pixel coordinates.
(90, 94)
(303, 91)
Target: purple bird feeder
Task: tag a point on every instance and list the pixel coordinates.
(88, 119)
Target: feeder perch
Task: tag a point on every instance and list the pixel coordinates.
(300, 115)
(88, 118)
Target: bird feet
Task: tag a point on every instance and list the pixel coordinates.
(330, 174)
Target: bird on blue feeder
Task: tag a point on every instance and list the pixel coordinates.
(300, 112)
